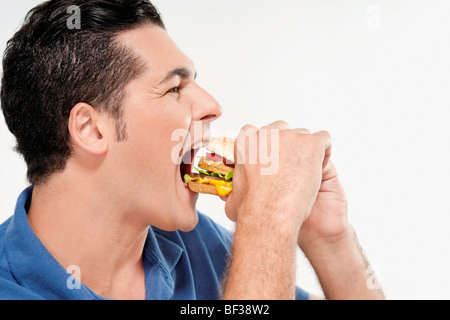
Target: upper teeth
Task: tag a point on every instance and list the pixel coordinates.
(198, 145)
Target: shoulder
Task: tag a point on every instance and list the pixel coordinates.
(9, 288)
(3, 260)
(3, 228)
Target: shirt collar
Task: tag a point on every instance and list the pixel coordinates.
(160, 249)
(32, 265)
(35, 268)
(161, 255)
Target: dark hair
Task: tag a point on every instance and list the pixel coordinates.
(50, 65)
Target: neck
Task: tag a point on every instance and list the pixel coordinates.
(80, 226)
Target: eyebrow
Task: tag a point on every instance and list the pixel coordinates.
(184, 73)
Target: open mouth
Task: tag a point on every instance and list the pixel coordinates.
(187, 162)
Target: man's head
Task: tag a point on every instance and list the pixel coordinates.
(101, 103)
(48, 68)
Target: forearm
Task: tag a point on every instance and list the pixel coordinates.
(263, 262)
(343, 270)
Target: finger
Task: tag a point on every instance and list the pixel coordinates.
(325, 138)
(326, 158)
(248, 132)
(279, 124)
(302, 131)
(329, 172)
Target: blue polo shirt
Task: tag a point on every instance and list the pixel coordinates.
(178, 265)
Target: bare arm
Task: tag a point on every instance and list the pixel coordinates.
(330, 244)
(269, 211)
(263, 263)
(303, 202)
(343, 270)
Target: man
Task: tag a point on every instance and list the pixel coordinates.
(94, 110)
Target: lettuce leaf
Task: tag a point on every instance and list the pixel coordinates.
(228, 176)
(187, 178)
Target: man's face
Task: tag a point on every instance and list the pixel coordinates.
(161, 108)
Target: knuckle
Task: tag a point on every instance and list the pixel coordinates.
(249, 127)
(302, 131)
(324, 137)
(325, 134)
(279, 124)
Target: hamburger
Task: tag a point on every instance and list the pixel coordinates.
(215, 170)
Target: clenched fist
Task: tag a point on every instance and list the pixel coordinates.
(278, 174)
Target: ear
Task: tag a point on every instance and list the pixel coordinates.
(88, 129)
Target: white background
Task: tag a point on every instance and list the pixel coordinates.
(374, 73)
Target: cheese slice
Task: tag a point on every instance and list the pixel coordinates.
(223, 188)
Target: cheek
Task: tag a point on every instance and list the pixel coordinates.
(155, 137)
(155, 126)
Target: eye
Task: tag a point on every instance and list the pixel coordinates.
(175, 90)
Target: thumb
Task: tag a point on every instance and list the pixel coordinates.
(329, 171)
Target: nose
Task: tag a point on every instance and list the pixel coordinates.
(204, 107)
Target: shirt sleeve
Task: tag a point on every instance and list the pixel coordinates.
(301, 294)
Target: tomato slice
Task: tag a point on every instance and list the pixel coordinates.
(216, 158)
